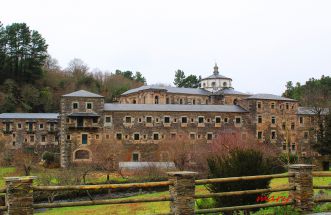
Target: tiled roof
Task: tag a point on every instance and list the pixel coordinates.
(311, 111)
(180, 90)
(83, 93)
(216, 77)
(270, 97)
(52, 116)
(173, 108)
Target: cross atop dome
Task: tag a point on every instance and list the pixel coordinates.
(216, 69)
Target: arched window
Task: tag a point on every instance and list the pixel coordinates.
(225, 84)
(180, 101)
(204, 84)
(235, 101)
(156, 99)
(82, 155)
(134, 101)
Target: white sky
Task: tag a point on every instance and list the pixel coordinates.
(259, 44)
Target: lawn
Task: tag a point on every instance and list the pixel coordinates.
(5, 171)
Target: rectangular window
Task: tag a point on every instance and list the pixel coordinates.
(201, 119)
(19, 125)
(272, 106)
(95, 120)
(218, 120)
(32, 138)
(75, 105)
(68, 137)
(287, 106)
(97, 137)
(89, 105)
(84, 139)
(128, 119)
(259, 119)
(209, 136)
(273, 120)
(166, 119)
(293, 147)
(107, 136)
(108, 119)
(292, 126)
(119, 136)
(136, 136)
(259, 135)
(135, 157)
(259, 105)
(184, 119)
(305, 135)
(192, 136)
(156, 136)
(43, 138)
(283, 125)
(173, 136)
(226, 120)
(238, 120)
(148, 119)
(284, 146)
(273, 135)
(301, 120)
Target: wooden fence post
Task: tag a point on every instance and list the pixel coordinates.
(303, 195)
(182, 192)
(19, 195)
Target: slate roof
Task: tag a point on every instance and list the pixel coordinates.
(231, 91)
(83, 93)
(174, 108)
(270, 97)
(51, 116)
(84, 114)
(310, 111)
(180, 90)
(213, 76)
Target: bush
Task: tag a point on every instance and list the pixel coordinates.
(288, 158)
(48, 157)
(240, 162)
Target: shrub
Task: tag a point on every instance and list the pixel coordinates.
(48, 157)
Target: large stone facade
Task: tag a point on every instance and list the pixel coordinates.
(148, 116)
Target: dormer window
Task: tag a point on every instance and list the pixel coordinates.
(75, 105)
(89, 105)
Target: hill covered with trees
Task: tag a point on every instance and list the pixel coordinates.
(32, 81)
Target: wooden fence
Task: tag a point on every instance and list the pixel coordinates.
(19, 192)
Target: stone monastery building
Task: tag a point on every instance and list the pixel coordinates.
(149, 115)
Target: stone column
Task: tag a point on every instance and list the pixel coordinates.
(182, 191)
(303, 181)
(19, 196)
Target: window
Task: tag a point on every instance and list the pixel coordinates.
(156, 136)
(173, 136)
(95, 120)
(226, 120)
(167, 101)
(128, 119)
(184, 119)
(140, 120)
(273, 120)
(259, 135)
(75, 105)
(175, 120)
(166, 119)
(84, 139)
(209, 136)
(218, 120)
(82, 154)
(192, 120)
(301, 120)
(43, 138)
(192, 136)
(108, 119)
(41, 126)
(107, 136)
(201, 119)
(292, 126)
(19, 125)
(272, 106)
(156, 99)
(213, 84)
(134, 101)
(148, 119)
(67, 120)
(32, 138)
(119, 136)
(97, 137)
(238, 120)
(259, 105)
(180, 101)
(208, 120)
(305, 135)
(293, 147)
(136, 136)
(89, 105)
(68, 137)
(273, 135)
(287, 106)
(283, 125)
(224, 84)
(135, 156)
(193, 102)
(284, 146)
(157, 119)
(259, 119)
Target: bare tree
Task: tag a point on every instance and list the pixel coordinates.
(24, 160)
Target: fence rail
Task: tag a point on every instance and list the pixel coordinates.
(181, 188)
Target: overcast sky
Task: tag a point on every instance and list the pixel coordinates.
(259, 44)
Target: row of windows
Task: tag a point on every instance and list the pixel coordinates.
(273, 105)
(30, 126)
(88, 105)
(183, 119)
(273, 135)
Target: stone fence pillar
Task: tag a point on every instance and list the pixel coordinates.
(303, 195)
(182, 191)
(19, 195)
